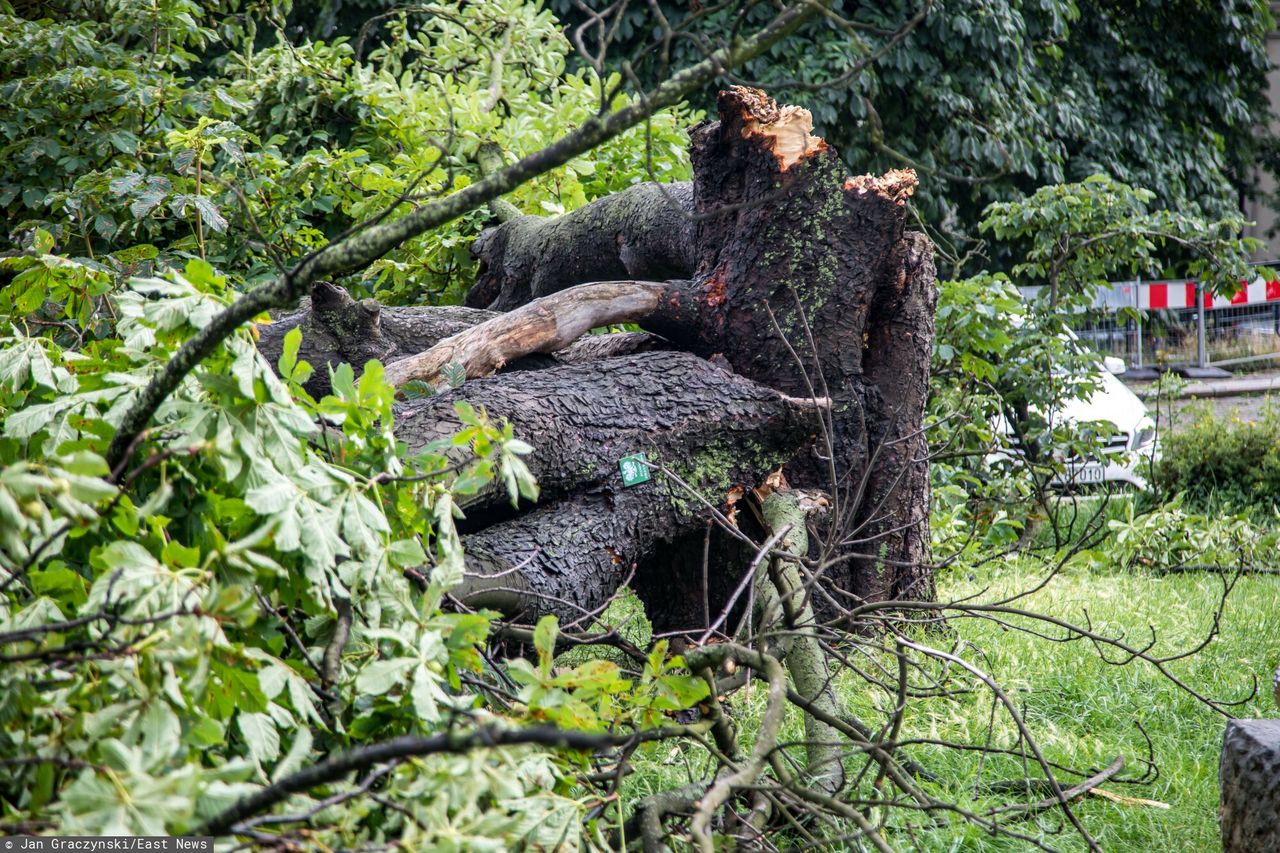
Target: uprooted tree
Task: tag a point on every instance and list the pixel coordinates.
(791, 330)
(208, 621)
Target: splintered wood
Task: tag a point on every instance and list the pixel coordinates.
(787, 130)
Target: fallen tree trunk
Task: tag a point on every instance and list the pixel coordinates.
(337, 329)
(800, 282)
(711, 428)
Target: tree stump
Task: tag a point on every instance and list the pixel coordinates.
(1249, 775)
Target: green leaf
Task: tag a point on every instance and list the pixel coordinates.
(209, 213)
(381, 676)
(42, 242)
(136, 254)
(59, 580)
(424, 695)
(183, 160)
(406, 553)
(260, 735)
(273, 498)
(86, 464)
(157, 190)
(289, 351)
(206, 732)
(416, 389)
(544, 640)
(31, 288)
(454, 374)
(685, 690)
(299, 751)
(203, 276)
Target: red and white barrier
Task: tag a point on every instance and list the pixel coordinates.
(1156, 295)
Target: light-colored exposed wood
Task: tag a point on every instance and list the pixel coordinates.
(896, 185)
(786, 130)
(545, 325)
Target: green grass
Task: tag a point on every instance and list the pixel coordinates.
(1082, 711)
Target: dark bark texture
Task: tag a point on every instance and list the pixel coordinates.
(707, 432)
(642, 233)
(711, 428)
(1250, 779)
(804, 313)
(892, 530)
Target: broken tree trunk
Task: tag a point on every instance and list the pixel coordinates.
(799, 280)
(805, 280)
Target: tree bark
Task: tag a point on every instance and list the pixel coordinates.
(805, 280)
(892, 530)
(707, 432)
(712, 429)
(337, 329)
(641, 233)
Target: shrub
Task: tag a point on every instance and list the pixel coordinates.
(1232, 460)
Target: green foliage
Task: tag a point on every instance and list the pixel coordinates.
(182, 574)
(990, 101)
(161, 623)
(1081, 235)
(167, 628)
(594, 696)
(1171, 537)
(245, 149)
(1004, 366)
(1229, 460)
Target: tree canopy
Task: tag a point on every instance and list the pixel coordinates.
(990, 101)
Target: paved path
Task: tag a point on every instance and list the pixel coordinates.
(1236, 386)
(1243, 396)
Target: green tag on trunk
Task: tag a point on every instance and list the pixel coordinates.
(634, 470)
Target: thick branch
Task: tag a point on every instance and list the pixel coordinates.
(710, 431)
(806, 660)
(545, 325)
(712, 427)
(642, 232)
(338, 766)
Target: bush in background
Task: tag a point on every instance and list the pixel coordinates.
(1230, 460)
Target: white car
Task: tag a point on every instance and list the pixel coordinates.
(1128, 456)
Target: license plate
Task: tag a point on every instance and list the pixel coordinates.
(1089, 474)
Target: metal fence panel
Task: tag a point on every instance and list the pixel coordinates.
(1178, 324)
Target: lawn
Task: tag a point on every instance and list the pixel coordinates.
(1082, 710)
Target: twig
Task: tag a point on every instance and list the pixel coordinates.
(1066, 794)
